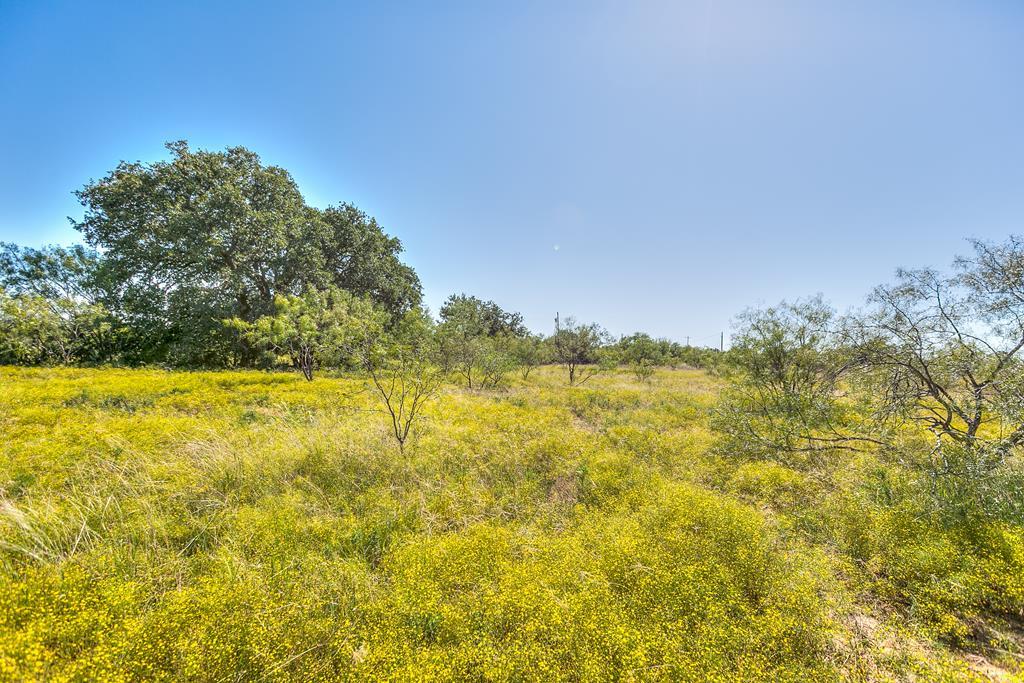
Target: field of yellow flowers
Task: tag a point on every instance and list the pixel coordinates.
(234, 526)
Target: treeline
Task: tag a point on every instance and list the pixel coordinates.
(212, 259)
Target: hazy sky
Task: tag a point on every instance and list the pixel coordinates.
(654, 166)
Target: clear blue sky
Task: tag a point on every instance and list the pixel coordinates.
(654, 166)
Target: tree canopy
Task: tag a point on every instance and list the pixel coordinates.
(470, 316)
(207, 236)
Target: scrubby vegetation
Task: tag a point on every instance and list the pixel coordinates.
(245, 525)
(459, 498)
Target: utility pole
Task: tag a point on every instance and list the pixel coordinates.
(687, 341)
(721, 342)
(556, 322)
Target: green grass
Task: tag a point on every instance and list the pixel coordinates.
(250, 526)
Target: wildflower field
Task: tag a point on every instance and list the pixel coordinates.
(235, 526)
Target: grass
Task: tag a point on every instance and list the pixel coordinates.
(236, 526)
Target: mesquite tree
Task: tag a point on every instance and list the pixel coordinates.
(788, 400)
(530, 351)
(940, 350)
(405, 382)
(400, 369)
(475, 337)
(577, 347)
(310, 329)
(946, 349)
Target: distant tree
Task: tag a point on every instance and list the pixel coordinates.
(472, 317)
(53, 306)
(35, 330)
(30, 333)
(577, 347)
(697, 357)
(641, 347)
(311, 329)
(669, 352)
(643, 370)
(53, 273)
(467, 355)
(474, 339)
(642, 354)
(529, 352)
(212, 235)
(495, 363)
(444, 349)
(483, 362)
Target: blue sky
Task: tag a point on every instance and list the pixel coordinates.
(648, 165)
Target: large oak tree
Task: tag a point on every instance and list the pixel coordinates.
(208, 235)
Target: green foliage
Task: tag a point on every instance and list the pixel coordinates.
(482, 362)
(494, 363)
(209, 236)
(578, 347)
(529, 352)
(38, 331)
(51, 308)
(642, 349)
(786, 401)
(476, 339)
(53, 273)
(360, 257)
(313, 329)
(704, 358)
(468, 316)
(643, 370)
